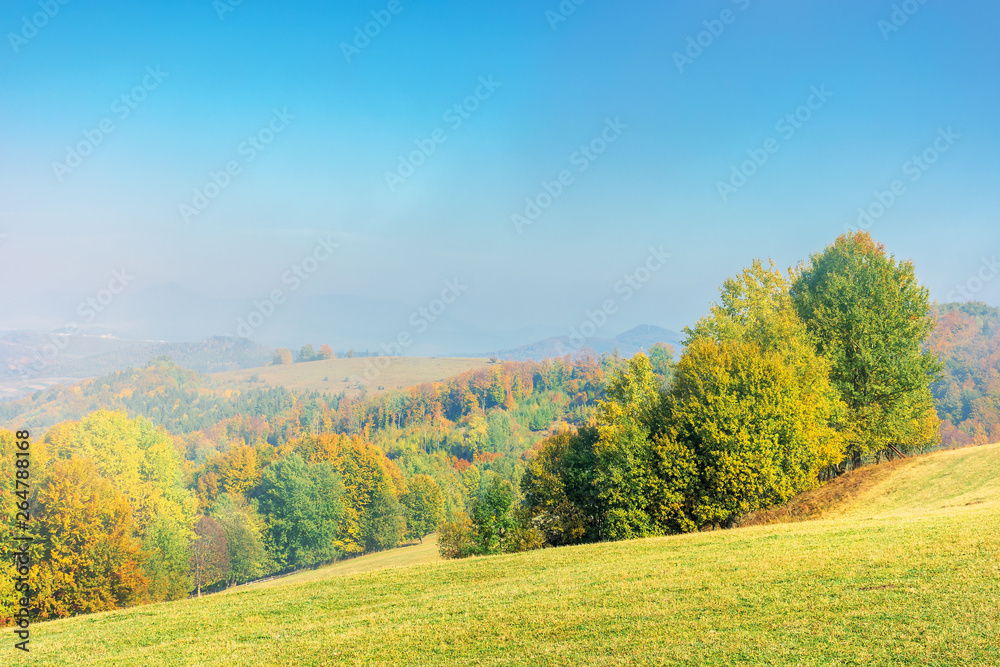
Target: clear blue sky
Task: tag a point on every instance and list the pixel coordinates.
(656, 184)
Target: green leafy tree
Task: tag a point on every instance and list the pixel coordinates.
(560, 497)
(307, 353)
(870, 316)
(424, 507)
(492, 515)
(626, 465)
(661, 358)
(384, 523)
(303, 507)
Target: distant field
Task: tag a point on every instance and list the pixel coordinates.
(906, 572)
(337, 375)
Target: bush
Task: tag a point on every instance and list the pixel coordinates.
(457, 539)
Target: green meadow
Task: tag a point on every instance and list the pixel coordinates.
(901, 567)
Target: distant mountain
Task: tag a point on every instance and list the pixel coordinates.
(627, 343)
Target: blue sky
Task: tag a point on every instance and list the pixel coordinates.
(889, 94)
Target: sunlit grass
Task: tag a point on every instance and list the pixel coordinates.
(905, 573)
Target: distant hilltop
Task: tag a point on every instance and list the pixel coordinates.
(628, 343)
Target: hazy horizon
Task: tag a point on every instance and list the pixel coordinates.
(398, 171)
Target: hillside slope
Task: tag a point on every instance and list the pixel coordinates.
(345, 375)
(906, 572)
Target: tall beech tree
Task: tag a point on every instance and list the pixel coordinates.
(209, 553)
(870, 316)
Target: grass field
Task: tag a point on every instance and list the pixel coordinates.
(903, 569)
(337, 375)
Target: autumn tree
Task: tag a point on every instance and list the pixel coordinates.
(243, 529)
(457, 538)
(282, 356)
(209, 553)
(756, 307)
(325, 352)
(423, 506)
(91, 558)
(869, 316)
(738, 435)
(141, 461)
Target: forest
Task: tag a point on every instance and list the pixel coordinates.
(151, 485)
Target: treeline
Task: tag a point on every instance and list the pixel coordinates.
(790, 380)
(967, 340)
(115, 525)
(127, 513)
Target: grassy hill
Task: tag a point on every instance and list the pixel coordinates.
(903, 569)
(337, 375)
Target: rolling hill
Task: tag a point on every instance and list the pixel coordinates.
(903, 569)
(345, 375)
